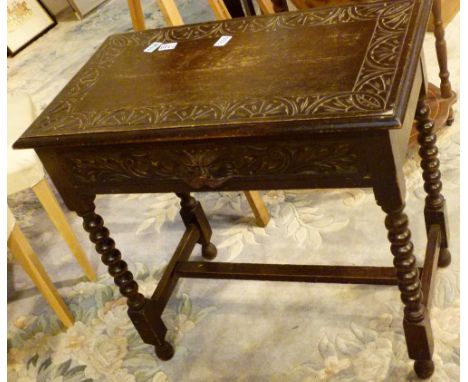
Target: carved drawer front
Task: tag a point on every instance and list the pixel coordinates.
(214, 165)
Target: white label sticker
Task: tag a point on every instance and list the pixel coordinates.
(152, 47)
(223, 40)
(168, 46)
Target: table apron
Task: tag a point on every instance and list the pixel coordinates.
(323, 161)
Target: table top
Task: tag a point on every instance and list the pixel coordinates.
(327, 69)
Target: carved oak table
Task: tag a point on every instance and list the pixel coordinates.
(314, 99)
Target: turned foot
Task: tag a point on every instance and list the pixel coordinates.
(209, 251)
(424, 368)
(165, 351)
(445, 258)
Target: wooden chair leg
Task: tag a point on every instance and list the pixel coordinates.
(266, 7)
(26, 257)
(219, 9)
(441, 48)
(57, 216)
(136, 14)
(170, 12)
(262, 217)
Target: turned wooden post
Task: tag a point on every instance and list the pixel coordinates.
(404, 261)
(111, 257)
(389, 191)
(192, 213)
(435, 208)
(416, 322)
(441, 48)
(142, 311)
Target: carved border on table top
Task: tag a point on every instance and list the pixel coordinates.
(370, 92)
(204, 166)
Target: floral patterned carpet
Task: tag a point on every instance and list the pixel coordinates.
(224, 330)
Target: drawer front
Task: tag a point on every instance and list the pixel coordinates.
(215, 165)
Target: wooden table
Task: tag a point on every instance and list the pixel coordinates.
(332, 106)
(441, 99)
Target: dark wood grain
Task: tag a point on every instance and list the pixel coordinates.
(330, 104)
(356, 58)
(208, 165)
(192, 214)
(431, 260)
(416, 322)
(435, 209)
(405, 264)
(288, 272)
(169, 280)
(111, 256)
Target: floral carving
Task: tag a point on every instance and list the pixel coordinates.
(211, 167)
(369, 95)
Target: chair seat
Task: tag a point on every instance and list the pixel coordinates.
(23, 166)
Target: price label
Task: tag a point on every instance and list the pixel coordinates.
(168, 46)
(223, 40)
(152, 47)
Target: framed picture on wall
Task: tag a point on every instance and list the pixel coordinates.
(27, 20)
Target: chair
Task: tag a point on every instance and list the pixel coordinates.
(173, 18)
(222, 10)
(26, 171)
(25, 256)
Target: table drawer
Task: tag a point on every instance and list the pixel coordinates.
(217, 165)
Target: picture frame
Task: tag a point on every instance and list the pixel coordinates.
(27, 20)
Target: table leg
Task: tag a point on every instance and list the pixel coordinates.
(435, 209)
(416, 322)
(192, 213)
(389, 190)
(142, 312)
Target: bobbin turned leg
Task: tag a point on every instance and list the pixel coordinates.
(141, 310)
(389, 191)
(416, 322)
(192, 213)
(435, 209)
